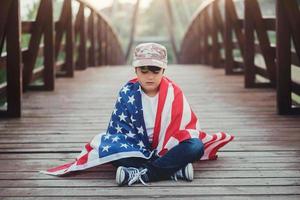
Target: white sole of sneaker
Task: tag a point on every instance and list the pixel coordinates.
(189, 172)
(120, 175)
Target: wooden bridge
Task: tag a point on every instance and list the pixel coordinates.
(47, 119)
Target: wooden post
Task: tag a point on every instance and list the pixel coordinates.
(249, 46)
(228, 39)
(14, 60)
(92, 38)
(49, 69)
(34, 46)
(104, 42)
(205, 39)
(4, 10)
(214, 34)
(100, 41)
(108, 46)
(82, 54)
(283, 57)
(69, 46)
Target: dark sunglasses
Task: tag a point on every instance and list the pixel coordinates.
(154, 69)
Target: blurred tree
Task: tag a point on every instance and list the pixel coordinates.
(152, 21)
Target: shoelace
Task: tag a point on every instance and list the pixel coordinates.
(135, 175)
(178, 173)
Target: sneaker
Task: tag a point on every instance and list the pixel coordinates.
(186, 173)
(130, 175)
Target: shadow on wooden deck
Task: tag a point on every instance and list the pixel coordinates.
(263, 162)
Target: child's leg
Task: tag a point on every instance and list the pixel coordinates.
(178, 157)
(129, 162)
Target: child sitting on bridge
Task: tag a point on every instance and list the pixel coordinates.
(153, 134)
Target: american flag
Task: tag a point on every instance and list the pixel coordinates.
(126, 135)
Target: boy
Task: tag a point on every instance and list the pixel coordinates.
(153, 134)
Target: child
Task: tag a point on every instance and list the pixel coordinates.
(153, 134)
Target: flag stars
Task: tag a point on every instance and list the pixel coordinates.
(119, 99)
(111, 124)
(140, 89)
(124, 145)
(141, 144)
(106, 136)
(132, 119)
(115, 111)
(131, 99)
(130, 134)
(119, 129)
(115, 139)
(140, 130)
(122, 117)
(125, 89)
(105, 148)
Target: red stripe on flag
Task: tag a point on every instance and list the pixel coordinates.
(192, 123)
(176, 116)
(83, 159)
(163, 90)
(61, 167)
(202, 135)
(212, 154)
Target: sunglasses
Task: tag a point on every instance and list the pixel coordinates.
(154, 69)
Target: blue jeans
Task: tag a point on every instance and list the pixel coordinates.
(162, 168)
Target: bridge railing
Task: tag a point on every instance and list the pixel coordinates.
(254, 45)
(79, 39)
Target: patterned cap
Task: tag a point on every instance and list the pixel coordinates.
(150, 54)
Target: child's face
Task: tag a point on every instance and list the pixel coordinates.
(149, 78)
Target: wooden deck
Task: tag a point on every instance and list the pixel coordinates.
(263, 162)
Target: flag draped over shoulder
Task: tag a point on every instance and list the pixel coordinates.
(126, 134)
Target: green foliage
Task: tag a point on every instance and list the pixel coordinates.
(2, 76)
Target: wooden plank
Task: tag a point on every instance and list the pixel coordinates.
(283, 56)
(264, 41)
(295, 60)
(3, 90)
(214, 34)
(228, 38)
(27, 26)
(14, 60)
(60, 27)
(70, 65)
(49, 48)
(3, 61)
(199, 182)
(270, 23)
(293, 15)
(30, 57)
(4, 11)
(141, 192)
(82, 30)
(249, 47)
(99, 39)
(296, 88)
(227, 197)
(262, 161)
(92, 38)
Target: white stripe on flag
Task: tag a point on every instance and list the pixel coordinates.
(172, 142)
(166, 117)
(186, 114)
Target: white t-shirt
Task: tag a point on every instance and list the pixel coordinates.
(149, 111)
